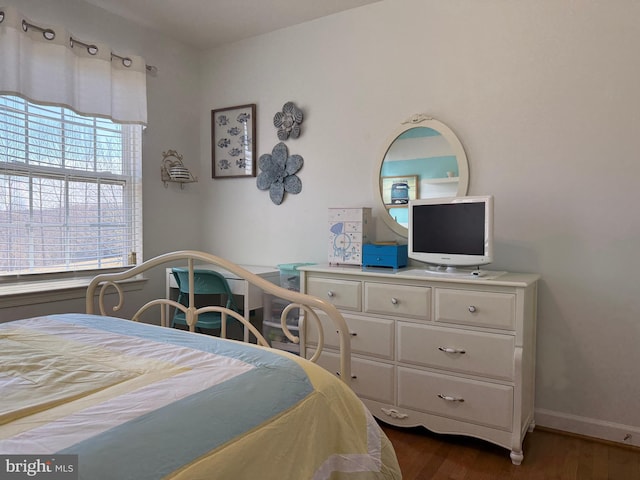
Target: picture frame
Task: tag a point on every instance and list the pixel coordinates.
(397, 191)
(233, 141)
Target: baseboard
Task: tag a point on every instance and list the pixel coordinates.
(589, 427)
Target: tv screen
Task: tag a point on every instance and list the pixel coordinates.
(451, 231)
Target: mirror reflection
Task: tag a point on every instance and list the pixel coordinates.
(419, 164)
(421, 161)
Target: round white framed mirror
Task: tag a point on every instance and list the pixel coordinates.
(422, 159)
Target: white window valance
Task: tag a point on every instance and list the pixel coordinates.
(64, 70)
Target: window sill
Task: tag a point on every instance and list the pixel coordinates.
(44, 291)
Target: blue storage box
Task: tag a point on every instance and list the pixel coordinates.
(395, 256)
(290, 276)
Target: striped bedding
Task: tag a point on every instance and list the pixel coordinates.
(137, 401)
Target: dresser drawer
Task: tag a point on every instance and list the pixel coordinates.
(472, 401)
(474, 353)
(370, 379)
(370, 336)
(400, 300)
(482, 309)
(345, 294)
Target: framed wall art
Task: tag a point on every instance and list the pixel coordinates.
(233, 141)
(399, 190)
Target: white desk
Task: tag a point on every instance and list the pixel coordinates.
(252, 295)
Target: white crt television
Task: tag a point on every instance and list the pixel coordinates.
(451, 232)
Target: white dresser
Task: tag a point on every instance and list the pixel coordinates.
(456, 355)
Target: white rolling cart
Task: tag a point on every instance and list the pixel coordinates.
(273, 308)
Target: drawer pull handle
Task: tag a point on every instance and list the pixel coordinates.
(393, 413)
(330, 294)
(472, 308)
(449, 398)
(394, 300)
(451, 350)
(353, 334)
(352, 376)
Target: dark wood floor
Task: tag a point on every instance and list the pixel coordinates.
(547, 455)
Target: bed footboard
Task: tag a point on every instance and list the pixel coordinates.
(308, 304)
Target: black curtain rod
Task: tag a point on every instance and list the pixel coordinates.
(92, 49)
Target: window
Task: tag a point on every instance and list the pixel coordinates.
(70, 192)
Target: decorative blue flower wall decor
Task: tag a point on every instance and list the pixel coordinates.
(278, 173)
(288, 121)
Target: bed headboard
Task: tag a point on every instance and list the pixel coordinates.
(308, 305)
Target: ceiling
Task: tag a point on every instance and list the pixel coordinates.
(209, 23)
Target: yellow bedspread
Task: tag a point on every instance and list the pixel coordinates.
(41, 371)
(144, 402)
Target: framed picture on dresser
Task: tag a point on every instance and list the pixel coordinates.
(233, 141)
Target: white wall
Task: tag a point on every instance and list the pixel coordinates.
(544, 97)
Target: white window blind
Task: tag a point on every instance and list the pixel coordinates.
(70, 191)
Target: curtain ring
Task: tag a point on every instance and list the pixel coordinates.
(91, 49)
(126, 61)
(47, 33)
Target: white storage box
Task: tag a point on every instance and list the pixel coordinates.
(349, 230)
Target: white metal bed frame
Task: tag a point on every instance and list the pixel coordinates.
(307, 304)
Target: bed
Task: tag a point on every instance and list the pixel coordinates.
(138, 401)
